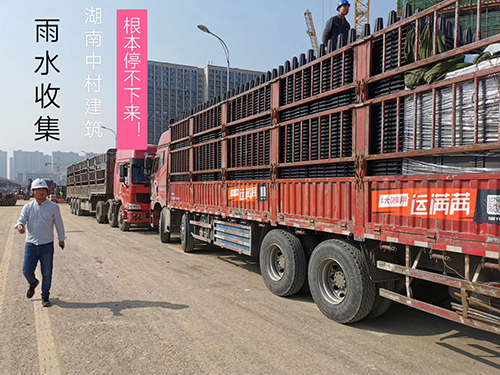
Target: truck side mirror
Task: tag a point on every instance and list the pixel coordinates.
(148, 165)
(123, 171)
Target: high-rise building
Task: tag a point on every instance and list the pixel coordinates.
(89, 155)
(215, 80)
(11, 168)
(174, 88)
(24, 162)
(3, 164)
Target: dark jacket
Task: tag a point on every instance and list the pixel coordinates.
(333, 28)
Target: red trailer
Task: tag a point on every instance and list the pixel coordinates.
(341, 180)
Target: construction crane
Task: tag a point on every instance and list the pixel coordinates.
(58, 170)
(311, 31)
(361, 15)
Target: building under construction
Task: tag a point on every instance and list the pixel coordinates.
(490, 17)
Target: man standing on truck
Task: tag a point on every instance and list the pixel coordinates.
(337, 25)
(39, 217)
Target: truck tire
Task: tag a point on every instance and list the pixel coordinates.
(187, 240)
(309, 242)
(282, 262)
(381, 304)
(71, 207)
(112, 217)
(164, 227)
(100, 212)
(122, 224)
(339, 281)
(79, 211)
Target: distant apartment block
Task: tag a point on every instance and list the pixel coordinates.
(175, 88)
(3, 164)
(25, 165)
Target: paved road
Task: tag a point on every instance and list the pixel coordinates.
(126, 304)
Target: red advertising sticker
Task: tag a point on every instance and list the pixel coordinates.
(244, 193)
(248, 193)
(440, 203)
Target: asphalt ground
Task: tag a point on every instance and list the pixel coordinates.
(124, 303)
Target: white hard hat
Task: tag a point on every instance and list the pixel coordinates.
(39, 183)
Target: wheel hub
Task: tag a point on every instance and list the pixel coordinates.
(332, 281)
(339, 280)
(275, 263)
(281, 264)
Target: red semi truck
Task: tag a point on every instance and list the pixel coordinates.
(114, 186)
(343, 181)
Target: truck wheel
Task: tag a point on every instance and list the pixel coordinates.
(282, 262)
(309, 242)
(79, 211)
(112, 217)
(381, 304)
(122, 224)
(187, 240)
(100, 212)
(339, 281)
(71, 207)
(164, 227)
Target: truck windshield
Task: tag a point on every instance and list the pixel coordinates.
(138, 176)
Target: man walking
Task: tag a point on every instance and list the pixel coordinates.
(337, 25)
(39, 217)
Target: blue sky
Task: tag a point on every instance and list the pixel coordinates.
(260, 35)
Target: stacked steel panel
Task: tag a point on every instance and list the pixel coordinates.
(248, 131)
(323, 137)
(453, 164)
(180, 151)
(386, 133)
(463, 114)
(206, 144)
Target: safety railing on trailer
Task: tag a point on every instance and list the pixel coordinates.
(248, 132)
(249, 104)
(315, 116)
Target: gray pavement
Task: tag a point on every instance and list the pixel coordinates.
(126, 304)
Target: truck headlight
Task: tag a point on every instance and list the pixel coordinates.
(133, 206)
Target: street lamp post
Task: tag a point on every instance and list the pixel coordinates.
(111, 130)
(224, 46)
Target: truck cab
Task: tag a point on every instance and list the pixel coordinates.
(160, 182)
(131, 188)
